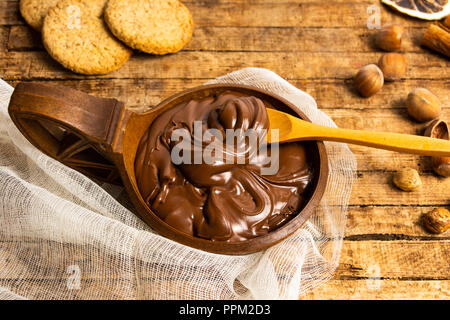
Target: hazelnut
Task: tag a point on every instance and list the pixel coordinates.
(423, 105)
(437, 220)
(369, 80)
(407, 180)
(389, 38)
(393, 66)
(441, 165)
(439, 129)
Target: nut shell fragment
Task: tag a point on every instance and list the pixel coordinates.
(437, 221)
(439, 129)
(407, 179)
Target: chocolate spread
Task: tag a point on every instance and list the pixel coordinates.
(218, 200)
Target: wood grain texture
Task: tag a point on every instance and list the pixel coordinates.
(207, 38)
(395, 259)
(4, 31)
(388, 223)
(318, 46)
(24, 38)
(206, 65)
(381, 289)
(377, 188)
(296, 13)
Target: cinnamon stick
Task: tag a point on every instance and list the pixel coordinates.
(437, 37)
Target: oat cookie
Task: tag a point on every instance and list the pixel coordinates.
(152, 26)
(34, 11)
(76, 36)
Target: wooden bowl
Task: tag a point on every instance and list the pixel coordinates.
(99, 137)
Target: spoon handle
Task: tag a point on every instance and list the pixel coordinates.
(70, 126)
(381, 140)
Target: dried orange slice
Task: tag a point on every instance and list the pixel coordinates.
(423, 9)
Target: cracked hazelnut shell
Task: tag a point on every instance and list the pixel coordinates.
(437, 221)
(439, 129)
(407, 179)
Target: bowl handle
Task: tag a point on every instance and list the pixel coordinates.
(70, 126)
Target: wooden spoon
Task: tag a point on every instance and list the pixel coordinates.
(294, 129)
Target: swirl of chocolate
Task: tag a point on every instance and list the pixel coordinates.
(220, 200)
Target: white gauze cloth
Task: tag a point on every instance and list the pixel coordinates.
(63, 236)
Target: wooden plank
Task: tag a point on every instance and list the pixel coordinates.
(329, 94)
(264, 13)
(23, 38)
(370, 159)
(338, 94)
(285, 39)
(4, 32)
(9, 12)
(393, 120)
(201, 65)
(380, 289)
(376, 188)
(395, 259)
(388, 223)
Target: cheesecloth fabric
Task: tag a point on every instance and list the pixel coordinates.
(63, 236)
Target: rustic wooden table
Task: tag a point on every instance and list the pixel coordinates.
(318, 46)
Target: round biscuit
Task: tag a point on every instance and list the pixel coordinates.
(34, 11)
(152, 26)
(76, 36)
